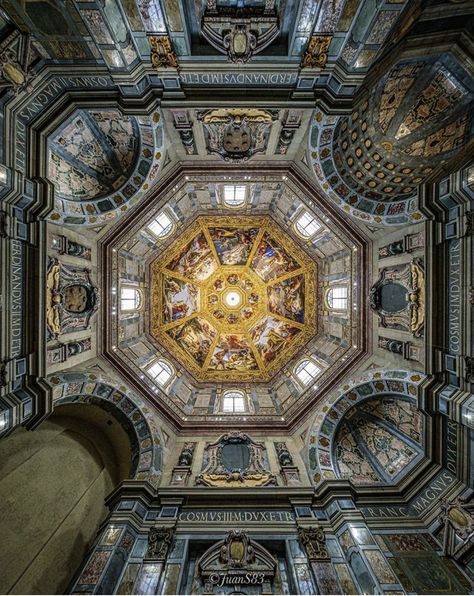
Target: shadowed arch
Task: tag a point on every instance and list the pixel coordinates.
(126, 408)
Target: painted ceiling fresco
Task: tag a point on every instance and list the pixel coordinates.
(233, 298)
(92, 154)
(379, 441)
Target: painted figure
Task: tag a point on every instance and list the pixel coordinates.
(271, 260)
(287, 298)
(271, 336)
(180, 299)
(195, 261)
(233, 352)
(195, 338)
(233, 245)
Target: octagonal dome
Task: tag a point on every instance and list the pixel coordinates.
(230, 279)
(233, 298)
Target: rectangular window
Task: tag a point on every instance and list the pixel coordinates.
(161, 372)
(161, 225)
(234, 403)
(128, 299)
(234, 195)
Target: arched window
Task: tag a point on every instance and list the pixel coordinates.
(130, 299)
(306, 225)
(307, 371)
(161, 372)
(235, 195)
(161, 226)
(233, 402)
(337, 298)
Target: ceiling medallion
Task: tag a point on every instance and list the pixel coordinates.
(233, 298)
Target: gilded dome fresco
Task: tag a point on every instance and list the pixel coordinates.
(234, 292)
(233, 298)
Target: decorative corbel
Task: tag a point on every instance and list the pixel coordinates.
(159, 541)
(162, 53)
(316, 54)
(314, 542)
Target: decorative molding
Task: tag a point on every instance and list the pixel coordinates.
(458, 519)
(240, 43)
(290, 124)
(469, 368)
(410, 316)
(314, 542)
(65, 246)
(184, 126)
(159, 540)
(469, 223)
(3, 373)
(15, 62)
(284, 456)
(238, 32)
(407, 349)
(71, 298)
(316, 54)
(219, 473)
(408, 243)
(290, 473)
(62, 352)
(236, 134)
(236, 550)
(162, 53)
(181, 473)
(237, 560)
(186, 455)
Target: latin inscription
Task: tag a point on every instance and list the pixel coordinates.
(40, 100)
(419, 504)
(228, 78)
(16, 297)
(450, 455)
(454, 290)
(237, 516)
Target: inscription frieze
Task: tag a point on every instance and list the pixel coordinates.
(235, 516)
(427, 497)
(44, 96)
(454, 300)
(229, 78)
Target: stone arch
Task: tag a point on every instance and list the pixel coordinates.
(101, 162)
(55, 481)
(145, 437)
(323, 433)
